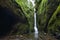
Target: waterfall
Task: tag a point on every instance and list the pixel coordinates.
(35, 25)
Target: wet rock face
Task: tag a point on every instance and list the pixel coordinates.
(8, 20)
(58, 15)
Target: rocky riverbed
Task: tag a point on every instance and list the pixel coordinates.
(29, 37)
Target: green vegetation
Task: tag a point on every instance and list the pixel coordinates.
(48, 14)
(28, 11)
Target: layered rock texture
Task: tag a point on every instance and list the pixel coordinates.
(18, 16)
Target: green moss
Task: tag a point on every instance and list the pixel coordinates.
(28, 11)
(55, 13)
(54, 26)
(42, 6)
(46, 14)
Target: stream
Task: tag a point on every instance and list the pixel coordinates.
(41, 36)
(35, 25)
(33, 36)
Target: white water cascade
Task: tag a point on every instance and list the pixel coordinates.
(35, 25)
